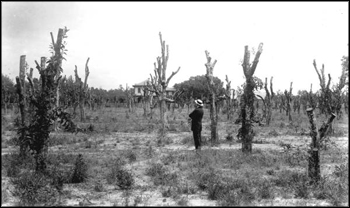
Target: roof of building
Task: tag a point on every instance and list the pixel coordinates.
(144, 83)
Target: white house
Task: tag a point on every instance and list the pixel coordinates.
(139, 89)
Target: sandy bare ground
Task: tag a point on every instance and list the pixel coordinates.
(86, 196)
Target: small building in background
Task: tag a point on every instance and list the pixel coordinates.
(139, 90)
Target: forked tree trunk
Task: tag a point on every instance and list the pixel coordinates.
(159, 83)
(247, 100)
(314, 171)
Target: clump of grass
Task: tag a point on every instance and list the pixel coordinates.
(13, 163)
(168, 159)
(60, 158)
(264, 190)
(34, 188)
(273, 133)
(205, 178)
(334, 190)
(270, 172)
(160, 175)
(117, 164)
(149, 151)
(183, 201)
(130, 155)
(232, 198)
(4, 194)
(119, 176)
(80, 170)
(125, 179)
(98, 187)
(229, 137)
(188, 140)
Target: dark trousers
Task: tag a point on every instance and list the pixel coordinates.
(197, 138)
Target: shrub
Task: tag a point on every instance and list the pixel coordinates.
(160, 175)
(13, 163)
(216, 189)
(204, 179)
(264, 190)
(156, 169)
(187, 140)
(333, 190)
(13, 171)
(270, 172)
(61, 158)
(130, 155)
(168, 159)
(80, 170)
(125, 179)
(117, 175)
(229, 137)
(33, 188)
(99, 187)
(273, 133)
(183, 201)
(4, 195)
(231, 198)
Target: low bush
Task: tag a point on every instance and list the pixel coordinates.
(130, 155)
(80, 170)
(119, 176)
(125, 179)
(98, 187)
(161, 176)
(34, 188)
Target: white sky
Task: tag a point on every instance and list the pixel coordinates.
(122, 39)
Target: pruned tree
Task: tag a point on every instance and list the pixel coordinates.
(212, 99)
(20, 89)
(58, 50)
(146, 99)
(296, 103)
(288, 100)
(247, 99)
(326, 94)
(311, 99)
(314, 171)
(129, 94)
(267, 101)
(338, 92)
(159, 82)
(82, 88)
(229, 99)
(34, 134)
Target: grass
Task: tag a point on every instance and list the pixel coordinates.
(122, 156)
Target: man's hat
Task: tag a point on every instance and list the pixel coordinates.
(198, 102)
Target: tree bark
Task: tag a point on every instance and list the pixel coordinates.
(23, 145)
(213, 108)
(247, 100)
(314, 171)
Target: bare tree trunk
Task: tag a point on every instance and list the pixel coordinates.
(268, 101)
(162, 109)
(288, 96)
(159, 83)
(21, 102)
(247, 100)
(314, 171)
(213, 108)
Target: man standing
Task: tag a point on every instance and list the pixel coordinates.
(196, 117)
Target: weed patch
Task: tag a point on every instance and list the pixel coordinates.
(34, 188)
